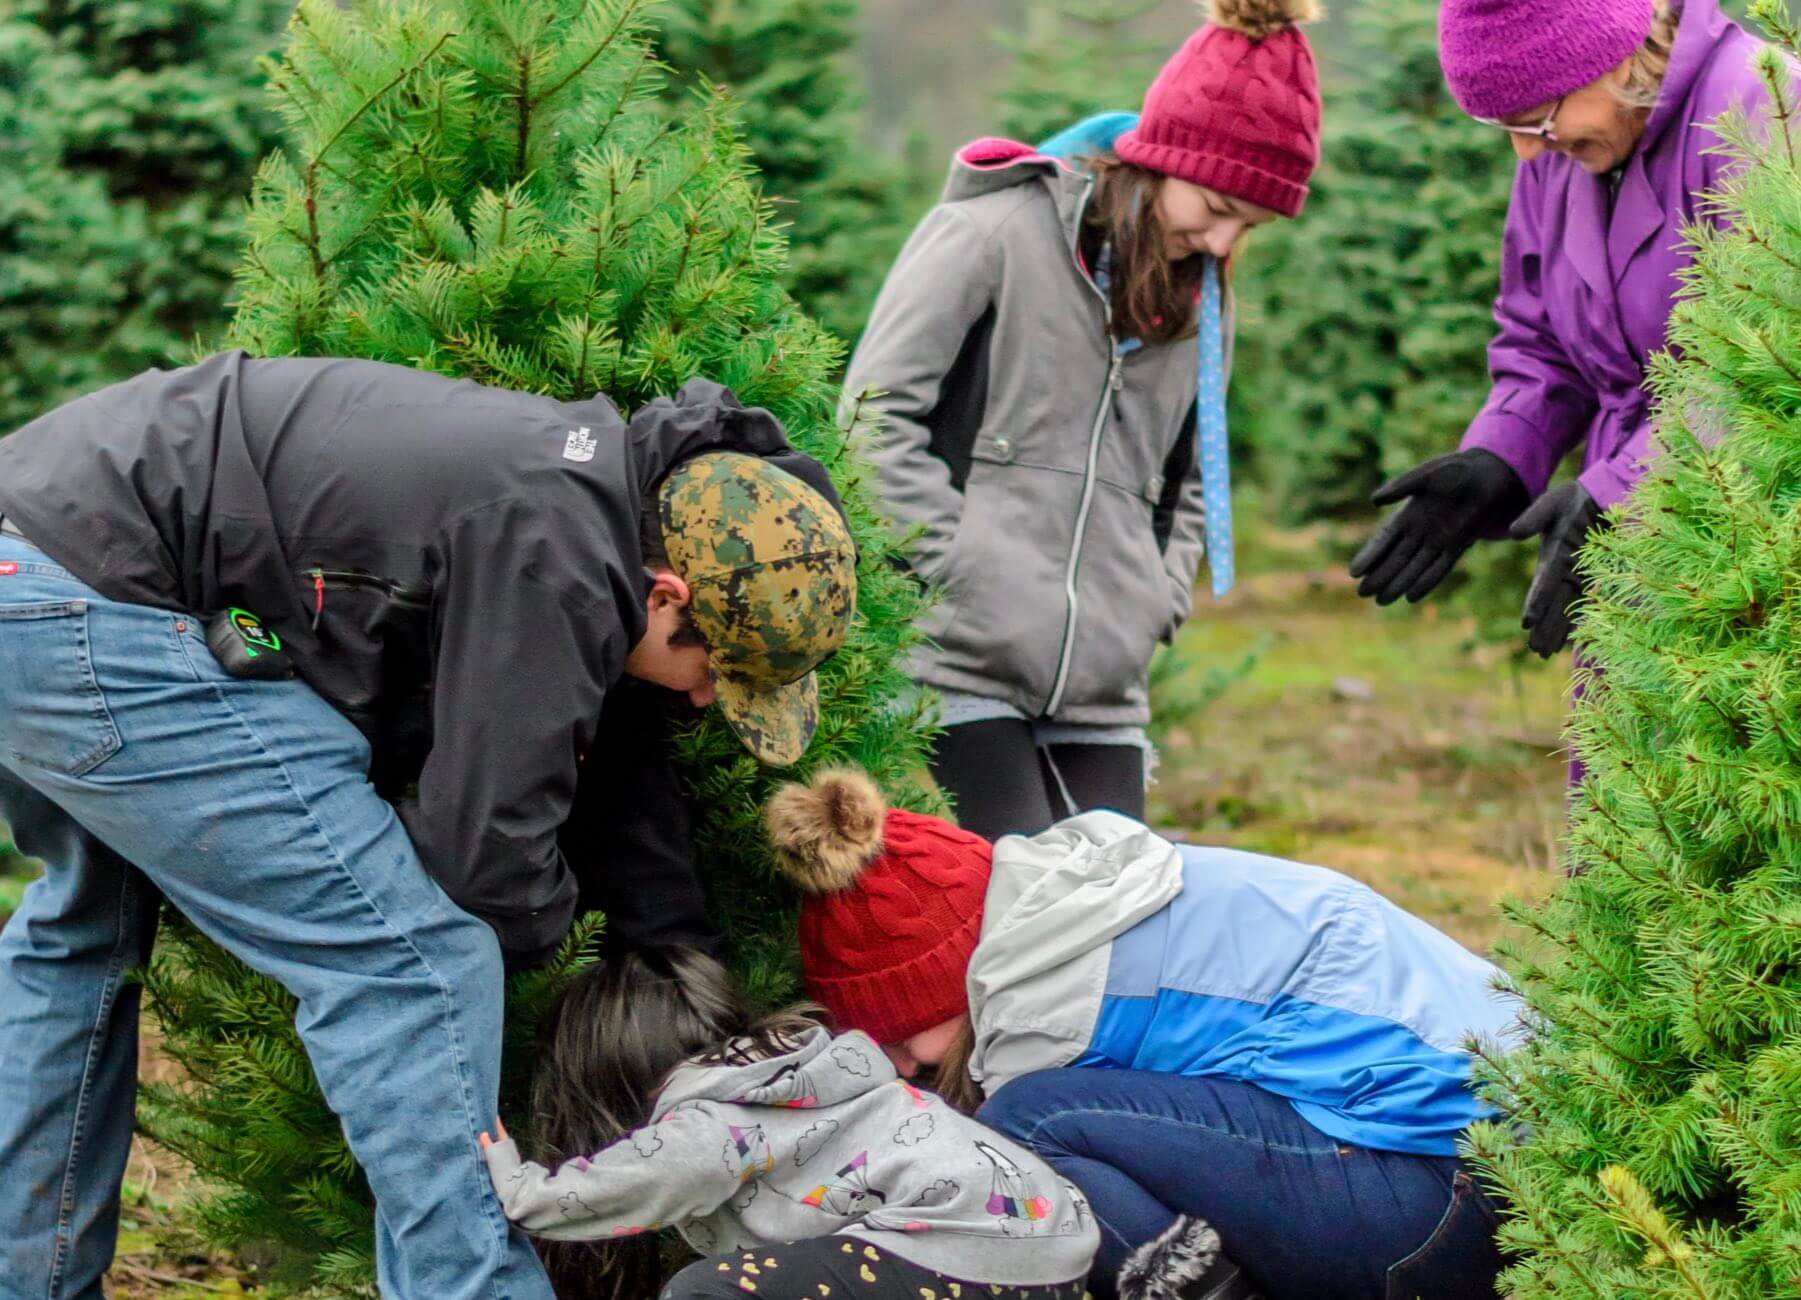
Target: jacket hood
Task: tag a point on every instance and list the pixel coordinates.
(1703, 25)
(821, 1071)
(997, 163)
(994, 163)
(1056, 897)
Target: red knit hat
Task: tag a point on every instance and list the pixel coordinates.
(893, 908)
(1237, 109)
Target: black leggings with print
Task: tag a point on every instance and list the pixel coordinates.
(837, 1266)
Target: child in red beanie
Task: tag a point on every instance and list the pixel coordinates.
(1215, 1046)
(1049, 361)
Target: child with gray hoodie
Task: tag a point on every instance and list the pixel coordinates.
(795, 1160)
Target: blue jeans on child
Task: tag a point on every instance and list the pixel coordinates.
(1303, 1214)
(136, 768)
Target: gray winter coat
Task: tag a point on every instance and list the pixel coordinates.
(826, 1140)
(1051, 474)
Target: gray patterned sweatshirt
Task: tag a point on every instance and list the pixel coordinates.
(826, 1139)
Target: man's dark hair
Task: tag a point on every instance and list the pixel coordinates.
(655, 555)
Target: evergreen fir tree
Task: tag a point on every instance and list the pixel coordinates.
(128, 137)
(786, 64)
(491, 189)
(1075, 58)
(1363, 327)
(1659, 1099)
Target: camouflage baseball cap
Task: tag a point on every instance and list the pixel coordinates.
(773, 573)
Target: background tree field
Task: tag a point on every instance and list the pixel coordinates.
(128, 137)
(638, 229)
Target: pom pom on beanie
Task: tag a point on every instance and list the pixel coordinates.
(824, 833)
(893, 908)
(1261, 19)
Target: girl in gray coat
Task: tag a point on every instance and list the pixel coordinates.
(1048, 362)
(796, 1161)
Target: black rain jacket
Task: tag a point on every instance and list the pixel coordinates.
(455, 568)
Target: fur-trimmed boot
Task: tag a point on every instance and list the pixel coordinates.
(1185, 1263)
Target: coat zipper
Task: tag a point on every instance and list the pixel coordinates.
(1064, 658)
(399, 594)
(1114, 378)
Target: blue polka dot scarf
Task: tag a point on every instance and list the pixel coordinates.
(1210, 430)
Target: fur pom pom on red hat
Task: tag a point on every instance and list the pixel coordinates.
(893, 908)
(1237, 109)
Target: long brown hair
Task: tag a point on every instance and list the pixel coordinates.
(953, 1081)
(608, 1045)
(1152, 297)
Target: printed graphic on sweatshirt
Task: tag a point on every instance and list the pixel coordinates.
(787, 1088)
(813, 1139)
(1012, 1198)
(941, 1192)
(920, 1100)
(646, 1143)
(702, 1236)
(916, 1130)
(747, 1152)
(851, 1061)
(849, 1193)
(1080, 1213)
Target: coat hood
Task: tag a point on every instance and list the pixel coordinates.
(1703, 24)
(996, 163)
(821, 1071)
(1056, 902)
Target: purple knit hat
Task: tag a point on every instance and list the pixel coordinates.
(1502, 57)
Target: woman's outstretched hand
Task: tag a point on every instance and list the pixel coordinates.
(1450, 502)
(1562, 520)
(499, 1128)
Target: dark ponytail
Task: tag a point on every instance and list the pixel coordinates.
(609, 1043)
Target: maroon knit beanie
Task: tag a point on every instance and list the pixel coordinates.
(1237, 109)
(893, 908)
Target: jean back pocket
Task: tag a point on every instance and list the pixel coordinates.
(1461, 1258)
(52, 714)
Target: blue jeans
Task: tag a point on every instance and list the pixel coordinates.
(1303, 1214)
(135, 767)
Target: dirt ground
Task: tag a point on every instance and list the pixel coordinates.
(1372, 743)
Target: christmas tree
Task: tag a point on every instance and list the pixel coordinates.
(1364, 326)
(785, 64)
(128, 137)
(492, 189)
(1658, 1103)
(1075, 58)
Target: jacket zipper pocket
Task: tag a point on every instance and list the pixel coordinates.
(394, 591)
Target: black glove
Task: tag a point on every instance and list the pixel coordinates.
(1563, 518)
(1455, 499)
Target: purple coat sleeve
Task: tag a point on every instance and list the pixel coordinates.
(1539, 404)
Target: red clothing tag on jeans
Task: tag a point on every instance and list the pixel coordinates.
(8, 568)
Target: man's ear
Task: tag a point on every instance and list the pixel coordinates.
(667, 591)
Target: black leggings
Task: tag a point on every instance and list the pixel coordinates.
(1004, 784)
(803, 1270)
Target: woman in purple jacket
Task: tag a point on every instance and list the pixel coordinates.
(1609, 105)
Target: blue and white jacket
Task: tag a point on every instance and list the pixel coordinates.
(1106, 946)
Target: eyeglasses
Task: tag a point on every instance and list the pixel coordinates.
(1545, 130)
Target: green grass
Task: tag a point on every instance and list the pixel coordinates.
(1444, 788)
